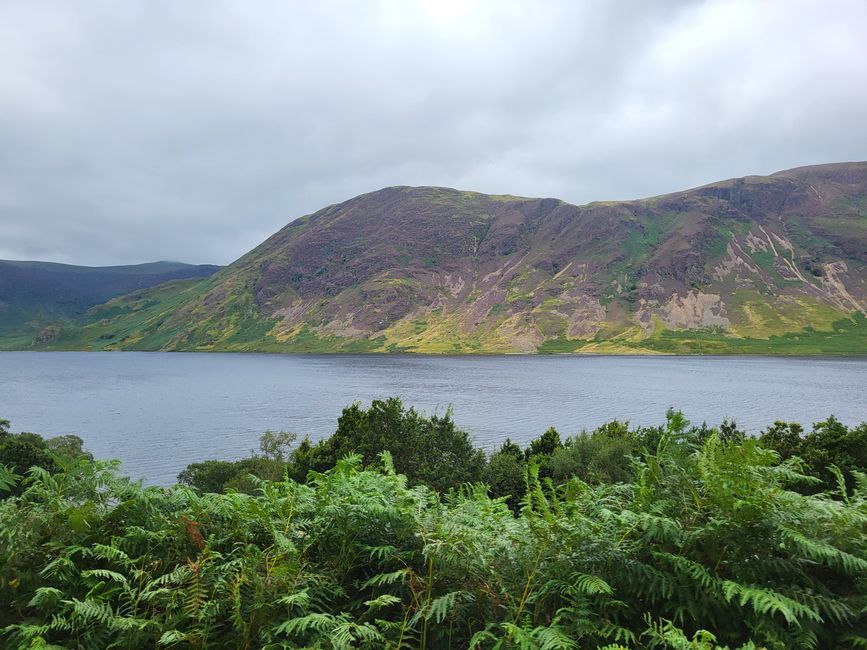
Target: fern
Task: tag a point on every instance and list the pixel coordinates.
(764, 601)
(8, 479)
(707, 548)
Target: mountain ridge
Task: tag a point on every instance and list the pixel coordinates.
(753, 264)
(36, 295)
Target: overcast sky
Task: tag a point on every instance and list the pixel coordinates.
(143, 130)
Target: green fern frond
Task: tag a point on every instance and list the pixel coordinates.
(105, 574)
(172, 637)
(764, 601)
(385, 600)
(590, 585)
(45, 596)
(391, 578)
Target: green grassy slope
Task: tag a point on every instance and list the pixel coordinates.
(37, 295)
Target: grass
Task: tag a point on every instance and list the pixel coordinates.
(846, 337)
(755, 317)
(765, 260)
(783, 329)
(649, 235)
(562, 345)
(717, 248)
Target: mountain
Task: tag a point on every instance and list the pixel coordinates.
(36, 295)
(760, 264)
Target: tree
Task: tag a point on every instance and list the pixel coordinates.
(511, 449)
(69, 446)
(504, 475)
(784, 438)
(277, 445)
(544, 445)
(832, 443)
(19, 454)
(602, 456)
(729, 432)
(209, 475)
(430, 450)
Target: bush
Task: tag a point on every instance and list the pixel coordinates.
(830, 444)
(21, 452)
(504, 474)
(209, 475)
(428, 450)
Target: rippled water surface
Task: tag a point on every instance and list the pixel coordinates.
(160, 411)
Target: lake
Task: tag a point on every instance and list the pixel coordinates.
(160, 411)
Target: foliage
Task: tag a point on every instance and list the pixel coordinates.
(277, 445)
(829, 447)
(504, 474)
(428, 450)
(20, 452)
(70, 446)
(602, 456)
(703, 545)
(545, 445)
(222, 475)
(210, 475)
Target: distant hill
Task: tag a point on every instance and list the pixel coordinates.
(760, 264)
(34, 295)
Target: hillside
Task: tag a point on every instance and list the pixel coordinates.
(36, 295)
(764, 264)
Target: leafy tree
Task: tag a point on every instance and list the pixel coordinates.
(270, 463)
(511, 449)
(209, 475)
(783, 437)
(544, 445)
(429, 450)
(30, 438)
(277, 445)
(68, 446)
(601, 456)
(832, 443)
(729, 432)
(19, 453)
(504, 474)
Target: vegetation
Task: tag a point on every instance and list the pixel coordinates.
(675, 536)
(757, 265)
(37, 299)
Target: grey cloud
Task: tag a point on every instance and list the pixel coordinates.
(161, 130)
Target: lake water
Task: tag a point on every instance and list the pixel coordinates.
(160, 411)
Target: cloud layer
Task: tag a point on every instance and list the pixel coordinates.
(154, 129)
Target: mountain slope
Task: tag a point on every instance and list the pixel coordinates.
(34, 295)
(757, 264)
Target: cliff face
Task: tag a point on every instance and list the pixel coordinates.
(740, 265)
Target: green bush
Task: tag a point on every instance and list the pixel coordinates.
(19, 452)
(830, 446)
(428, 450)
(504, 474)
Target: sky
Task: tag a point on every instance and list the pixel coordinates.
(153, 129)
